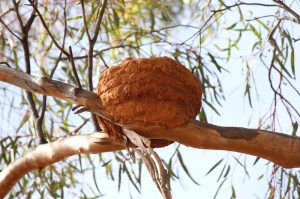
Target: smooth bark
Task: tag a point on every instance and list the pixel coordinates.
(276, 147)
(47, 154)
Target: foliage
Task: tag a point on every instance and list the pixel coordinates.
(207, 37)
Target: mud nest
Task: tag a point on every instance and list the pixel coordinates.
(148, 91)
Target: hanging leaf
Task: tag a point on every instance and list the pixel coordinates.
(214, 166)
(295, 128)
(185, 168)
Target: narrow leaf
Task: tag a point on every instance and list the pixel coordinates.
(185, 168)
(215, 166)
(295, 128)
(293, 61)
(256, 160)
(214, 61)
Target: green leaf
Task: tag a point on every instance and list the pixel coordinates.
(130, 178)
(295, 128)
(293, 61)
(227, 171)
(282, 65)
(16, 58)
(106, 163)
(248, 93)
(256, 160)
(116, 18)
(263, 25)
(185, 168)
(233, 195)
(260, 177)
(205, 36)
(219, 188)
(215, 62)
(152, 18)
(80, 162)
(220, 175)
(231, 27)
(242, 165)
(256, 33)
(215, 166)
(288, 185)
(119, 178)
(74, 18)
(211, 106)
(229, 50)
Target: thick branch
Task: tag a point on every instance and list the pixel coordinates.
(47, 154)
(46, 86)
(279, 148)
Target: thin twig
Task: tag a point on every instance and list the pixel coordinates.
(5, 63)
(47, 29)
(272, 65)
(6, 12)
(44, 102)
(85, 21)
(288, 9)
(79, 127)
(92, 42)
(24, 41)
(243, 3)
(12, 32)
(74, 68)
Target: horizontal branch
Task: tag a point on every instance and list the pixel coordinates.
(279, 148)
(47, 154)
(57, 89)
(276, 147)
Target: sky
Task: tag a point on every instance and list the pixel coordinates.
(235, 111)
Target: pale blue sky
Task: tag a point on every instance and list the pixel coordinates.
(234, 112)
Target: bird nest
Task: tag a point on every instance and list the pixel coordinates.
(148, 91)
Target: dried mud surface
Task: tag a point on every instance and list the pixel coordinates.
(150, 91)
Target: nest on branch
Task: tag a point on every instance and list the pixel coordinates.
(148, 91)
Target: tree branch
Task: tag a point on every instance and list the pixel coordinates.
(92, 42)
(279, 148)
(47, 154)
(46, 86)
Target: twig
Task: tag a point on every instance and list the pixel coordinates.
(288, 9)
(44, 102)
(79, 127)
(85, 21)
(14, 34)
(242, 3)
(92, 42)
(6, 12)
(272, 65)
(47, 29)
(24, 41)
(74, 68)
(5, 63)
